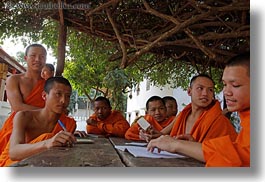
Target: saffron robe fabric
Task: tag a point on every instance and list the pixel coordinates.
(224, 152)
(70, 125)
(114, 125)
(210, 124)
(34, 99)
(133, 132)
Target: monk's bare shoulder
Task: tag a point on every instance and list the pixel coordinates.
(24, 116)
(15, 79)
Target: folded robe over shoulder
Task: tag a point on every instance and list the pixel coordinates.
(133, 132)
(114, 125)
(223, 152)
(210, 124)
(70, 125)
(34, 99)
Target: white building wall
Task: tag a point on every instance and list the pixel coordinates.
(5, 111)
(182, 98)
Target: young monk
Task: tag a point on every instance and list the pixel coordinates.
(202, 119)
(47, 71)
(171, 105)
(156, 115)
(37, 130)
(24, 90)
(106, 122)
(221, 151)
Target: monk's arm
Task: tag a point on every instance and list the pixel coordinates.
(170, 144)
(117, 128)
(14, 95)
(18, 148)
(168, 128)
(133, 132)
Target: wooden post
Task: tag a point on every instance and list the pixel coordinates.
(61, 50)
(3, 75)
(61, 42)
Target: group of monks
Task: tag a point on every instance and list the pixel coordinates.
(200, 130)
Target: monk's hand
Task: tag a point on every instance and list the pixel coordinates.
(81, 134)
(92, 122)
(143, 135)
(187, 137)
(154, 133)
(149, 134)
(62, 138)
(163, 143)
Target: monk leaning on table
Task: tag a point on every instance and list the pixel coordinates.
(35, 131)
(221, 151)
(156, 116)
(106, 122)
(24, 90)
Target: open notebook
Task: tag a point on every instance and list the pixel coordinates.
(139, 151)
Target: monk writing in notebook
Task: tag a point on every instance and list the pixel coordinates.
(37, 130)
(221, 151)
(24, 90)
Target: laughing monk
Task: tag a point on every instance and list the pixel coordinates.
(35, 131)
(24, 90)
(221, 151)
(156, 116)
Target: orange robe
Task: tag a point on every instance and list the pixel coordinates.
(114, 125)
(70, 125)
(133, 132)
(210, 124)
(34, 99)
(223, 152)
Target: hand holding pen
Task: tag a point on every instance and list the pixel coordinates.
(72, 139)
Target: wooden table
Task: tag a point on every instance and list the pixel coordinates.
(132, 161)
(100, 154)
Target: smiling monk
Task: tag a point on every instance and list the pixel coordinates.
(24, 90)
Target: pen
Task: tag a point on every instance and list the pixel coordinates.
(69, 144)
(62, 125)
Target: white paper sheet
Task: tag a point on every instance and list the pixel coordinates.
(140, 144)
(137, 151)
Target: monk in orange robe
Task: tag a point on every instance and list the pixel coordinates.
(24, 90)
(171, 105)
(202, 119)
(210, 124)
(224, 151)
(69, 123)
(37, 130)
(221, 151)
(105, 121)
(156, 116)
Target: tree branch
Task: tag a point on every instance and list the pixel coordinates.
(122, 45)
